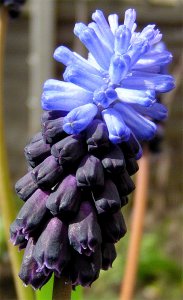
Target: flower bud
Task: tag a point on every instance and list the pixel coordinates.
(52, 130)
(108, 255)
(85, 269)
(131, 166)
(90, 172)
(25, 186)
(30, 216)
(69, 150)
(52, 115)
(28, 272)
(114, 161)
(131, 148)
(107, 200)
(124, 184)
(97, 136)
(124, 201)
(113, 227)
(47, 174)
(52, 248)
(67, 197)
(84, 232)
(37, 150)
(16, 237)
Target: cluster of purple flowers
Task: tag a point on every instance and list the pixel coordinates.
(73, 193)
(14, 6)
(80, 164)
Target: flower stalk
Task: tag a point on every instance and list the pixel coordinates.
(138, 215)
(61, 290)
(7, 206)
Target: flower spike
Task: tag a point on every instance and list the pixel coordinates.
(80, 164)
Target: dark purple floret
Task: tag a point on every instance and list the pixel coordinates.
(131, 148)
(28, 272)
(52, 115)
(51, 251)
(67, 197)
(97, 137)
(25, 186)
(113, 227)
(84, 270)
(114, 161)
(124, 184)
(131, 166)
(69, 150)
(90, 172)
(108, 199)
(52, 130)
(155, 144)
(30, 216)
(16, 237)
(108, 255)
(84, 231)
(48, 173)
(37, 150)
(124, 201)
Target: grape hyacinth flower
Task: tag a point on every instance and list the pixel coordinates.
(79, 165)
(14, 6)
(119, 80)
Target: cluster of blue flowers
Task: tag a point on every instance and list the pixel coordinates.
(120, 79)
(81, 162)
(14, 6)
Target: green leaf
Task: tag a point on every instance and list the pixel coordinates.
(46, 291)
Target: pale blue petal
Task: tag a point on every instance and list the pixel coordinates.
(119, 68)
(142, 128)
(67, 57)
(157, 111)
(130, 17)
(118, 131)
(79, 118)
(137, 49)
(113, 22)
(142, 97)
(144, 80)
(146, 30)
(89, 38)
(93, 62)
(59, 95)
(122, 39)
(95, 27)
(81, 77)
(157, 38)
(153, 58)
(106, 32)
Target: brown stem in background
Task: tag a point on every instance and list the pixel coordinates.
(7, 205)
(61, 289)
(138, 215)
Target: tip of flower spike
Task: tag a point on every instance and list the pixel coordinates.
(62, 54)
(130, 17)
(79, 28)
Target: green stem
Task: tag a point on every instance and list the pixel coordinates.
(61, 290)
(7, 205)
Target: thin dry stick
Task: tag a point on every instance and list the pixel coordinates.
(61, 290)
(140, 199)
(6, 196)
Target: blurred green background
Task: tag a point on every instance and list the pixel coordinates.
(45, 24)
